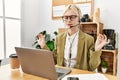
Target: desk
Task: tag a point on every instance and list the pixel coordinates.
(7, 74)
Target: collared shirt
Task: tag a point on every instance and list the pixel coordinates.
(70, 51)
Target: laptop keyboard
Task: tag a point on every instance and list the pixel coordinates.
(59, 74)
(61, 71)
(58, 69)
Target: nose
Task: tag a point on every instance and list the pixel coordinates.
(69, 19)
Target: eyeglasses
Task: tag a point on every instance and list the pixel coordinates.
(71, 17)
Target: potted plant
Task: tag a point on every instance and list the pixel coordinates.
(104, 66)
(48, 38)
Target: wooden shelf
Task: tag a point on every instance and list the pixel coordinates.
(111, 57)
(97, 27)
(92, 28)
(88, 27)
(91, 23)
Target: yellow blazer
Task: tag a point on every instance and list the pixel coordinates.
(87, 58)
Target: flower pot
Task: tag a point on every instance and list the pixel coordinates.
(104, 70)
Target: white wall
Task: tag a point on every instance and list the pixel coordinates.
(110, 17)
(36, 17)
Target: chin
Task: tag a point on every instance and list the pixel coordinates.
(68, 27)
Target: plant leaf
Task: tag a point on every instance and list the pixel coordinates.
(55, 33)
(50, 44)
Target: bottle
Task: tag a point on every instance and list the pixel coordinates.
(96, 16)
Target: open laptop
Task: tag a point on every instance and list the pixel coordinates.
(40, 62)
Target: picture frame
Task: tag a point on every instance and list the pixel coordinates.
(58, 6)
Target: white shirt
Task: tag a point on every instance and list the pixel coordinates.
(71, 46)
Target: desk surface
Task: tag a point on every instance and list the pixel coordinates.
(7, 74)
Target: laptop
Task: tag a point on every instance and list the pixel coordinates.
(40, 62)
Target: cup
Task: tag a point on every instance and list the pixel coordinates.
(14, 62)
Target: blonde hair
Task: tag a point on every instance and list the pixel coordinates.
(74, 8)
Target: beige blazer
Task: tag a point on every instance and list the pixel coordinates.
(87, 58)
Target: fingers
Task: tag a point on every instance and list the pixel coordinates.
(105, 37)
(102, 37)
(40, 36)
(108, 41)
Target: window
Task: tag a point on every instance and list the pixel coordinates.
(1, 8)
(1, 39)
(12, 8)
(10, 26)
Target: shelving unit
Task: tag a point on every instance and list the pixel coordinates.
(111, 57)
(92, 28)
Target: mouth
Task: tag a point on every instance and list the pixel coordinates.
(69, 24)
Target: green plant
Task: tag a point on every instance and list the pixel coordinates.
(104, 64)
(48, 38)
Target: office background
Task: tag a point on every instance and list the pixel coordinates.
(36, 17)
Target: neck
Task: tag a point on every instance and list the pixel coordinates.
(73, 30)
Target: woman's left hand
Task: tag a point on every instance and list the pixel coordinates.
(101, 41)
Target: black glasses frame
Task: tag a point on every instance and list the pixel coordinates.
(71, 17)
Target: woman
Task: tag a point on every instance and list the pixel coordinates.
(75, 48)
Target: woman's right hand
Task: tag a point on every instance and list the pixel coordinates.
(41, 40)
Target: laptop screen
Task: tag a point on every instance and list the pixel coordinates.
(38, 62)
